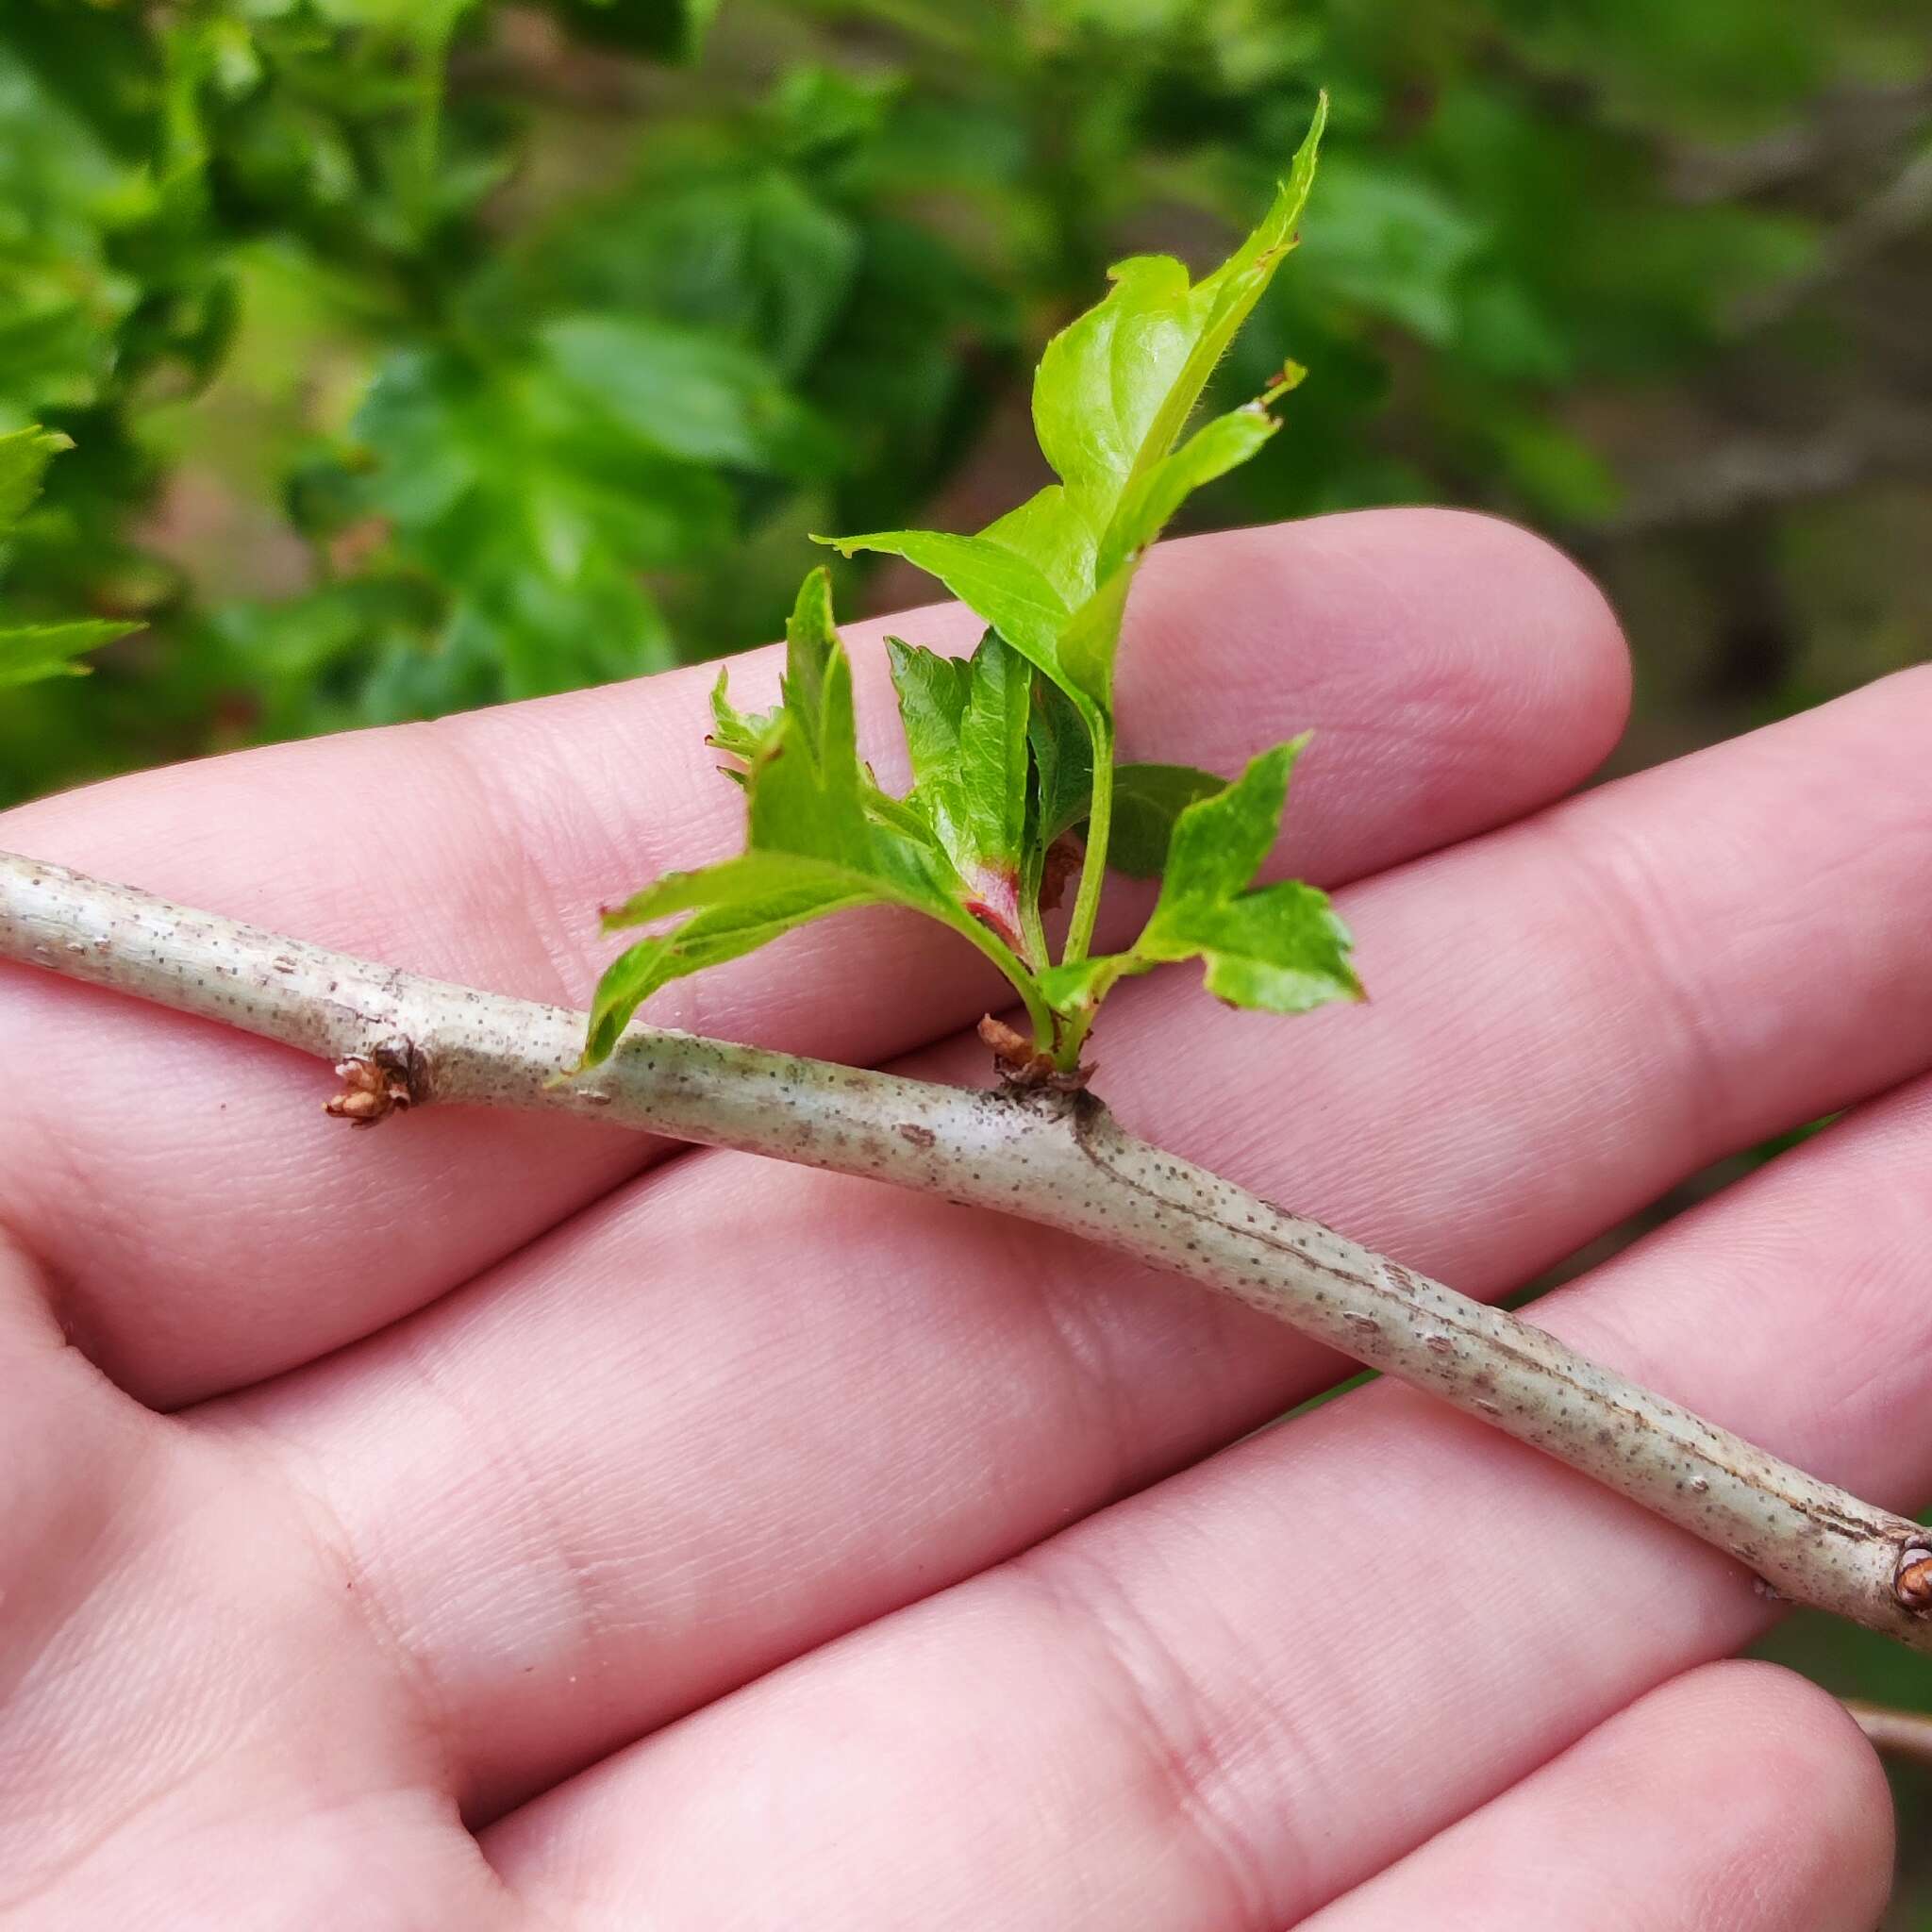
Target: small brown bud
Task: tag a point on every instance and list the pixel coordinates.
(385, 1081)
(1023, 1069)
(1010, 1047)
(1912, 1586)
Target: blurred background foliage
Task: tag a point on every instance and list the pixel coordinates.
(419, 354)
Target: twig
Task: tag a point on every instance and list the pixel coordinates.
(1847, 128)
(1060, 1159)
(1898, 1733)
(1734, 478)
(1898, 210)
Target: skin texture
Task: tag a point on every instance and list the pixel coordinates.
(731, 1547)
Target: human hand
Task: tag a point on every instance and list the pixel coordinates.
(502, 1523)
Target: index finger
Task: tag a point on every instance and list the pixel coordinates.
(209, 1228)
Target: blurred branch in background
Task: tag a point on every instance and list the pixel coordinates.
(1900, 1733)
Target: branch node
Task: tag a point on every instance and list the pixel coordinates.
(1021, 1066)
(392, 1077)
(1912, 1585)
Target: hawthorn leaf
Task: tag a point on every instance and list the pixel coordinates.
(1062, 763)
(932, 691)
(24, 454)
(1147, 798)
(1112, 395)
(1151, 501)
(738, 905)
(30, 652)
(1147, 802)
(1002, 586)
(966, 730)
(820, 836)
(817, 684)
(1279, 947)
(741, 734)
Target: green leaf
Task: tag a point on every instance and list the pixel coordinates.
(23, 459)
(817, 685)
(1004, 587)
(1114, 394)
(1147, 802)
(966, 729)
(742, 734)
(1214, 449)
(1279, 947)
(1062, 763)
(30, 652)
(738, 907)
(932, 705)
(819, 837)
(33, 651)
(686, 393)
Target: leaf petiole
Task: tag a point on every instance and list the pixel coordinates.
(1093, 860)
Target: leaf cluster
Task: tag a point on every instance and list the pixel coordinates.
(1012, 750)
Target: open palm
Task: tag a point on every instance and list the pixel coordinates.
(498, 1521)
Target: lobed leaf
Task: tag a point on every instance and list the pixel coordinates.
(1115, 391)
(820, 836)
(966, 729)
(24, 454)
(1278, 947)
(30, 652)
(1012, 749)
(1147, 802)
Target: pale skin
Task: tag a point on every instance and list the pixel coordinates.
(502, 1522)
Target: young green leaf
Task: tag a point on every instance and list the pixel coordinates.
(23, 459)
(1062, 763)
(29, 652)
(1012, 750)
(966, 729)
(819, 837)
(1279, 947)
(1114, 394)
(740, 733)
(1147, 801)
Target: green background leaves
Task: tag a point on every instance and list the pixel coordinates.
(31, 652)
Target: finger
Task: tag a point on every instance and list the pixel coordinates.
(1298, 1661)
(208, 1225)
(1736, 1799)
(931, 1390)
